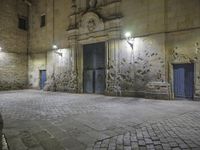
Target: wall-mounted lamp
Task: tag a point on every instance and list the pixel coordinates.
(56, 50)
(55, 47)
(129, 39)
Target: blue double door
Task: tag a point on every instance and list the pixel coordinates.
(43, 78)
(94, 68)
(184, 81)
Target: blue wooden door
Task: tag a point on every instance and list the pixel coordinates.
(184, 80)
(42, 78)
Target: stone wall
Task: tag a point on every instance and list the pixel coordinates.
(13, 69)
(54, 32)
(1, 128)
(36, 62)
(184, 47)
(43, 38)
(13, 41)
(61, 75)
(164, 31)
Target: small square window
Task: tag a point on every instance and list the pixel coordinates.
(23, 23)
(43, 21)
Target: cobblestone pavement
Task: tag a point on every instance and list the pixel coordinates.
(36, 120)
(182, 132)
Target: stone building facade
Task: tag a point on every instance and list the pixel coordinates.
(165, 34)
(13, 43)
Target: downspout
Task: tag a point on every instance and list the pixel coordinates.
(28, 35)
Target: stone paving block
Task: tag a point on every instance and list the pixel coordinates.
(141, 143)
(11, 132)
(51, 144)
(150, 146)
(127, 141)
(148, 141)
(42, 135)
(158, 147)
(105, 143)
(28, 139)
(73, 121)
(85, 139)
(120, 147)
(173, 144)
(183, 146)
(120, 139)
(97, 135)
(135, 145)
(156, 142)
(16, 144)
(143, 148)
(127, 148)
(73, 144)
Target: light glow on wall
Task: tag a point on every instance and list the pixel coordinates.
(0, 49)
(55, 46)
(129, 39)
(128, 35)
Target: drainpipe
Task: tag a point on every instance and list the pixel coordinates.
(28, 3)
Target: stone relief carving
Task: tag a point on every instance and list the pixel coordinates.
(92, 3)
(146, 66)
(177, 57)
(91, 25)
(91, 22)
(119, 81)
(73, 7)
(108, 10)
(65, 81)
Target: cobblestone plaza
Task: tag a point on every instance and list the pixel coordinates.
(36, 120)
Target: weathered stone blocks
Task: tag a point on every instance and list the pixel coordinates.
(1, 128)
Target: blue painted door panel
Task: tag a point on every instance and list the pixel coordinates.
(184, 80)
(42, 78)
(189, 81)
(88, 81)
(179, 85)
(99, 81)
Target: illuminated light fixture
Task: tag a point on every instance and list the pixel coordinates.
(129, 39)
(128, 34)
(55, 46)
(56, 50)
(0, 49)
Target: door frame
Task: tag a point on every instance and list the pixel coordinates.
(171, 77)
(40, 73)
(82, 62)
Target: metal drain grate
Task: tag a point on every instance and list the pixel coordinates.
(4, 143)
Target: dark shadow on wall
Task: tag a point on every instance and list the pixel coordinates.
(1, 128)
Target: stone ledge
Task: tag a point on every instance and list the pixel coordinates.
(158, 90)
(142, 94)
(161, 96)
(197, 98)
